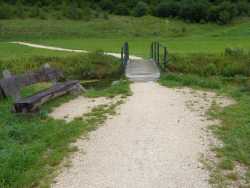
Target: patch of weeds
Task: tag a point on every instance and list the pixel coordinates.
(119, 88)
(232, 176)
(216, 177)
(226, 164)
(174, 80)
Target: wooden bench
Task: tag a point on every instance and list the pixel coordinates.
(10, 86)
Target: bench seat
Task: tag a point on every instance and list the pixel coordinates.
(31, 104)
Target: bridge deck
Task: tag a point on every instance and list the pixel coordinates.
(142, 70)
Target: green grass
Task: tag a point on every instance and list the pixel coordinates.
(120, 88)
(32, 146)
(77, 66)
(109, 35)
(191, 80)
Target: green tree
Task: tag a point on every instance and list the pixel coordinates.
(168, 8)
(141, 9)
(20, 9)
(6, 11)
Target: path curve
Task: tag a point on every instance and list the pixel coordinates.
(118, 55)
(155, 142)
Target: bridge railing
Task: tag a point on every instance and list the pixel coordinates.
(155, 52)
(125, 55)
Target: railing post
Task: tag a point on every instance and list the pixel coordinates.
(126, 51)
(158, 52)
(152, 50)
(165, 57)
(122, 55)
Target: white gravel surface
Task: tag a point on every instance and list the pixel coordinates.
(77, 107)
(155, 141)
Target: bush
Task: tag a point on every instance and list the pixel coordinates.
(141, 9)
(6, 11)
(225, 12)
(121, 9)
(35, 11)
(20, 13)
(107, 5)
(72, 11)
(235, 52)
(194, 10)
(170, 8)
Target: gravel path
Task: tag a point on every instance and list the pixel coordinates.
(78, 107)
(156, 141)
(118, 55)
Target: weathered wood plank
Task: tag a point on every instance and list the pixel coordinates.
(11, 85)
(31, 104)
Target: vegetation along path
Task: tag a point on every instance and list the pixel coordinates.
(156, 140)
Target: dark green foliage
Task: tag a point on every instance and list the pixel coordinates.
(141, 9)
(6, 11)
(121, 9)
(167, 8)
(19, 9)
(219, 11)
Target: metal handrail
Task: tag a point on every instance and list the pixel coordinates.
(125, 54)
(155, 54)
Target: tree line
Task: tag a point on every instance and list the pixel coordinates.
(201, 11)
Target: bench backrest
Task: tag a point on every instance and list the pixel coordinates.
(10, 86)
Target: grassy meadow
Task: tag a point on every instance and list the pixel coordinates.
(109, 34)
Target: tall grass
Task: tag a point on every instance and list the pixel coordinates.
(84, 66)
(225, 65)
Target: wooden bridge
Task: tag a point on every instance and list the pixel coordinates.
(144, 70)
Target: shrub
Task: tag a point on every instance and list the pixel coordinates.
(163, 10)
(6, 11)
(19, 9)
(141, 9)
(121, 9)
(35, 11)
(235, 52)
(107, 5)
(194, 10)
(72, 11)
